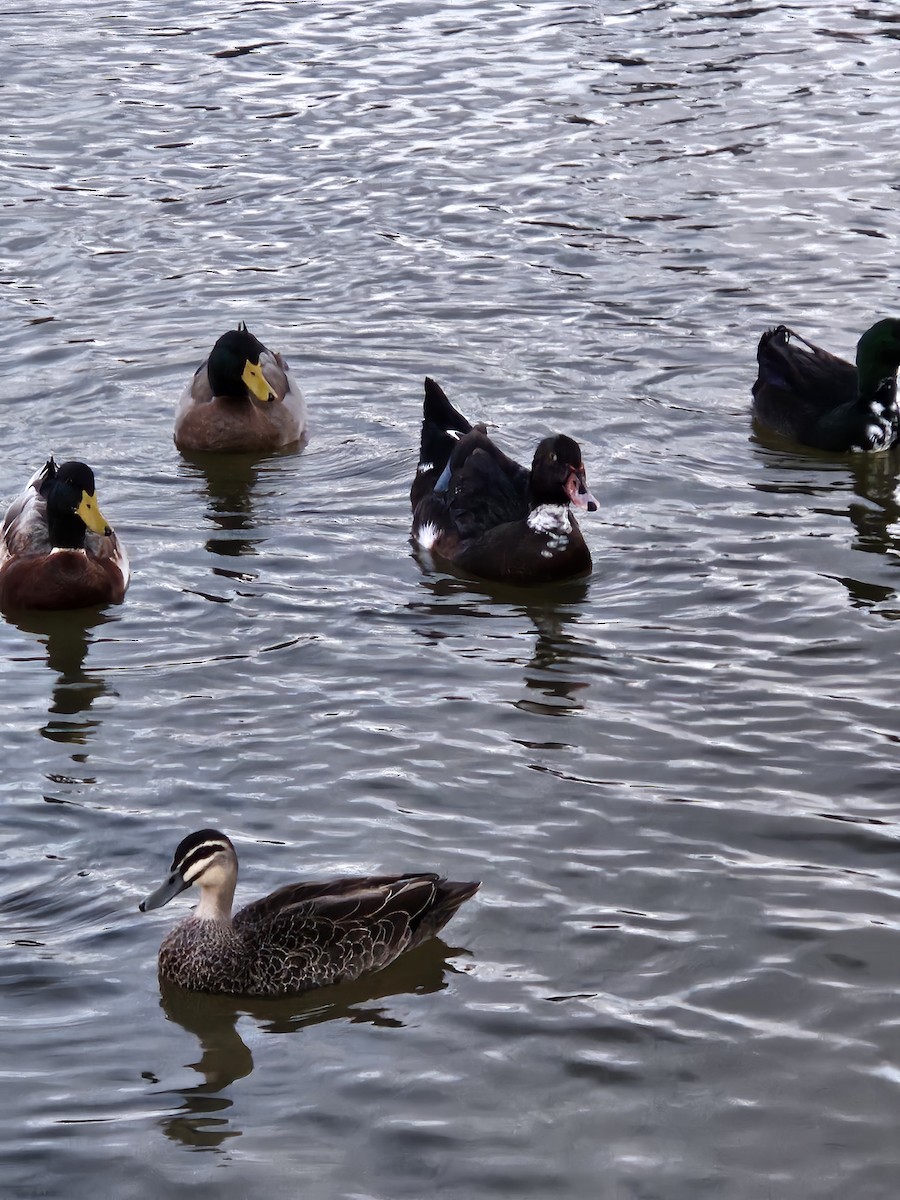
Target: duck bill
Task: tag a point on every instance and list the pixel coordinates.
(165, 892)
(577, 491)
(89, 511)
(256, 383)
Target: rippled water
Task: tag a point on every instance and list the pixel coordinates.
(677, 780)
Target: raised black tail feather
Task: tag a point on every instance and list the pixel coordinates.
(770, 356)
(440, 421)
(442, 426)
(439, 409)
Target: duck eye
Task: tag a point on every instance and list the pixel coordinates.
(553, 458)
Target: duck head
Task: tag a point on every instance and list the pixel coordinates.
(72, 507)
(208, 859)
(557, 474)
(234, 368)
(878, 354)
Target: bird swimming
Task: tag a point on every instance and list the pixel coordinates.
(57, 550)
(302, 936)
(811, 396)
(484, 513)
(243, 398)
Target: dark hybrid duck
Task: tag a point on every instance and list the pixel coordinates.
(305, 935)
(243, 398)
(816, 398)
(488, 515)
(56, 549)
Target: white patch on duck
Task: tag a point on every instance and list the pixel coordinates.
(423, 467)
(883, 416)
(427, 535)
(552, 520)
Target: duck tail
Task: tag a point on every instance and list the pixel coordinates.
(773, 358)
(787, 366)
(448, 898)
(442, 427)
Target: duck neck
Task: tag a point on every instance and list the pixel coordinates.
(215, 904)
(876, 375)
(550, 518)
(535, 500)
(65, 530)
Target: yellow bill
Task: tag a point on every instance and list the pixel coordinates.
(257, 383)
(89, 511)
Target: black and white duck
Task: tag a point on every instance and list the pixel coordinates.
(811, 396)
(302, 936)
(489, 516)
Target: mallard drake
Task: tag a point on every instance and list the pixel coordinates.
(489, 516)
(305, 935)
(56, 548)
(243, 398)
(811, 396)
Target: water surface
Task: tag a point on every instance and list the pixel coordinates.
(676, 780)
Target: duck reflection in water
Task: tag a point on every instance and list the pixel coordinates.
(555, 671)
(458, 609)
(873, 508)
(200, 1121)
(229, 483)
(875, 512)
(67, 637)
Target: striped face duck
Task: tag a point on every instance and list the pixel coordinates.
(57, 550)
(490, 517)
(303, 936)
(244, 398)
(813, 397)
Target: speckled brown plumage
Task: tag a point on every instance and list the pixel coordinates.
(303, 936)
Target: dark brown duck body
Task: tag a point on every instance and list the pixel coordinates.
(62, 580)
(303, 936)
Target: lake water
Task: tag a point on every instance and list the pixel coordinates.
(676, 780)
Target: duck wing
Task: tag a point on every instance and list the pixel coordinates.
(322, 932)
(24, 528)
(278, 374)
(486, 488)
(811, 373)
(344, 894)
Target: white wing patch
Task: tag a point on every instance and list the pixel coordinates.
(427, 535)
